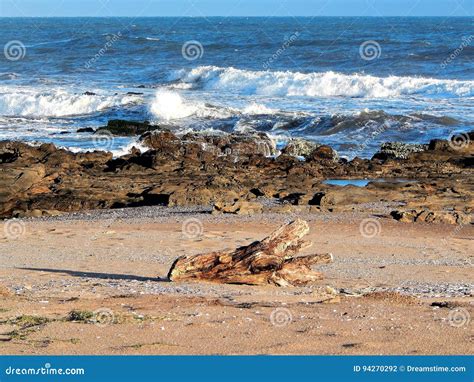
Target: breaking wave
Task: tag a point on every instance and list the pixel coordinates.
(170, 105)
(59, 102)
(325, 84)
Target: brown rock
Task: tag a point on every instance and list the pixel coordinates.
(28, 177)
(239, 208)
(163, 141)
(323, 153)
(404, 216)
(206, 169)
(439, 145)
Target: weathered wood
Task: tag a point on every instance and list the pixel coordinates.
(270, 261)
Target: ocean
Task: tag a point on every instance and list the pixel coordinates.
(350, 82)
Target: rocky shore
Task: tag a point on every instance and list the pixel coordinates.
(239, 174)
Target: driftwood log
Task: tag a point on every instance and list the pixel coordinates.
(270, 261)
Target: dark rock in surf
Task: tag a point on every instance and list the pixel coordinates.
(86, 130)
(125, 128)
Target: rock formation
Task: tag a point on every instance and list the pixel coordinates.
(235, 173)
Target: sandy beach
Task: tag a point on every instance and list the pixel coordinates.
(95, 283)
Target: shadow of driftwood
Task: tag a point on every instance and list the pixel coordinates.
(95, 275)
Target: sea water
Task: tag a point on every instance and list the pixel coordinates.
(352, 83)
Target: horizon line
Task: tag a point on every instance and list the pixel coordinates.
(229, 17)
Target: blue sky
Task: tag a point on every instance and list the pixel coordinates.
(135, 8)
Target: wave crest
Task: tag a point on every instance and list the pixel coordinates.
(29, 102)
(325, 84)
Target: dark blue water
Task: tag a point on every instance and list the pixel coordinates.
(349, 82)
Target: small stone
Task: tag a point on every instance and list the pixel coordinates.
(36, 213)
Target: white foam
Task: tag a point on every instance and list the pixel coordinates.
(168, 105)
(117, 151)
(56, 102)
(324, 84)
(257, 109)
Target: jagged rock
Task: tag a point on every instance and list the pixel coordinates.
(207, 146)
(398, 150)
(8, 153)
(270, 261)
(427, 216)
(235, 144)
(300, 147)
(344, 198)
(163, 141)
(200, 169)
